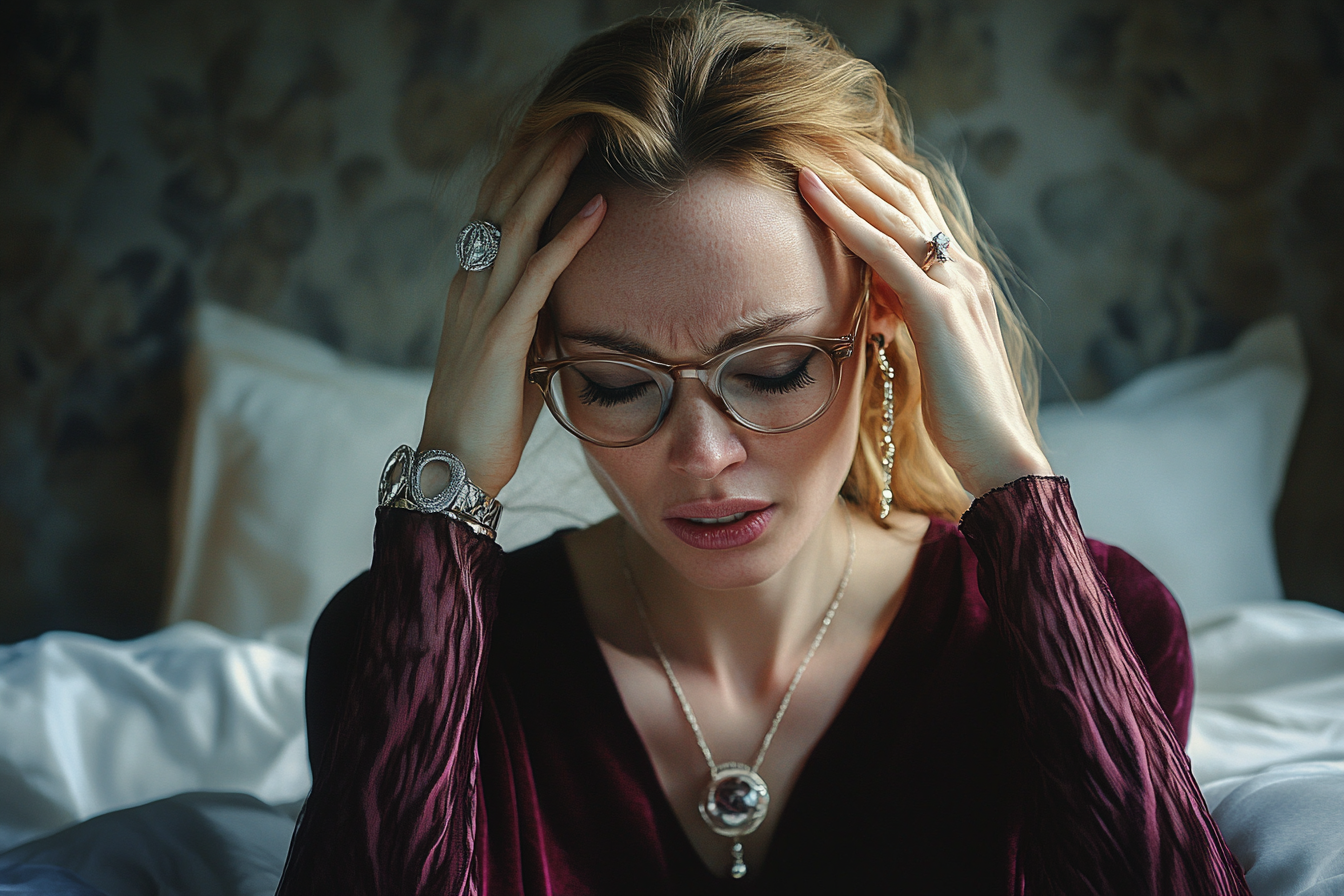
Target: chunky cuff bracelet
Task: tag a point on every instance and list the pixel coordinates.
(460, 500)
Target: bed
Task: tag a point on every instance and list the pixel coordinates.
(177, 763)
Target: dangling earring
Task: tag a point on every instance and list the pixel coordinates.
(888, 421)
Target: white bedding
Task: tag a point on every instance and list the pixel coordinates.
(1267, 742)
(195, 733)
(91, 725)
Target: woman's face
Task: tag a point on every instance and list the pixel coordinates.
(674, 279)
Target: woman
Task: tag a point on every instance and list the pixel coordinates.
(728, 272)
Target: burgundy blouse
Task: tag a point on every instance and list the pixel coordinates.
(1019, 730)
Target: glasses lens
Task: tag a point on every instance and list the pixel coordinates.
(607, 401)
(776, 387)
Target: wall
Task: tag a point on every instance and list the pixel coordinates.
(1162, 172)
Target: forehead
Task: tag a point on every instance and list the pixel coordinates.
(678, 272)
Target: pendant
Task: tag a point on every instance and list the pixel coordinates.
(736, 802)
(739, 865)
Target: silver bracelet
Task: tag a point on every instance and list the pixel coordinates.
(460, 499)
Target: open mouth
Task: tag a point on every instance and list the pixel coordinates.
(716, 533)
(718, 521)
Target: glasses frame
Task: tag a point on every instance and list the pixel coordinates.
(838, 348)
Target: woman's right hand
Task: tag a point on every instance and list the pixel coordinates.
(481, 407)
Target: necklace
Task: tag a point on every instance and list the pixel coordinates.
(737, 799)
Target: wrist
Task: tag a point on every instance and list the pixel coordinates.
(481, 472)
(1010, 469)
(436, 481)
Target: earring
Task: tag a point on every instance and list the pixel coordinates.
(888, 421)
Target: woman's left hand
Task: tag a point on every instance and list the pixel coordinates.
(972, 406)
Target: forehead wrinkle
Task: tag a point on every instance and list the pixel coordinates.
(680, 273)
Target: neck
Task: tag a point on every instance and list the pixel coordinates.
(746, 638)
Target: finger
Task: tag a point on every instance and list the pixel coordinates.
(913, 233)
(514, 181)
(483, 360)
(924, 213)
(881, 215)
(897, 193)
(548, 263)
(883, 252)
(520, 160)
(521, 226)
(917, 181)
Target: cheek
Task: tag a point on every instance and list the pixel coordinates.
(835, 435)
(820, 462)
(620, 471)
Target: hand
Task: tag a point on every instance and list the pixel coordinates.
(972, 407)
(481, 407)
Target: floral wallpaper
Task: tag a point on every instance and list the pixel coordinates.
(1162, 171)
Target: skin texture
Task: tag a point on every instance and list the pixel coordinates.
(677, 275)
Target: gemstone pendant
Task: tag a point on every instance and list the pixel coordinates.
(736, 801)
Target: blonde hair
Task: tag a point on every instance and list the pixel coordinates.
(761, 96)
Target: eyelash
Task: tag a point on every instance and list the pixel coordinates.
(798, 378)
(606, 397)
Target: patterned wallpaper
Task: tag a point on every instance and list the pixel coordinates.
(1162, 172)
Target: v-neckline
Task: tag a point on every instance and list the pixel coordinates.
(644, 770)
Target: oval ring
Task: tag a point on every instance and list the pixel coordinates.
(478, 245)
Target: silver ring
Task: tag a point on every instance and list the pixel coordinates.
(937, 253)
(478, 245)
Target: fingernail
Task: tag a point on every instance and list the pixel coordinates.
(593, 205)
(811, 177)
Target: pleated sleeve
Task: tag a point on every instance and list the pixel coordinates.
(393, 805)
(1112, 807)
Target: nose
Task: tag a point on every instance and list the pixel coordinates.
(703, 440)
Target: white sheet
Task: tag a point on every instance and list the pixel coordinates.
(89, 725)
(1286, 827)
(1267, 742)
(1269, 689)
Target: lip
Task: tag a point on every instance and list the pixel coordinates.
(709, 509)
(724, 536)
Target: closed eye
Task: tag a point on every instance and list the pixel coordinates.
(799, 377)
(612, 396)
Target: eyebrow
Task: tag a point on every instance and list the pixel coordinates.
(754, 328)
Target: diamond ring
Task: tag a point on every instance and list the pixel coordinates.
(937, 253)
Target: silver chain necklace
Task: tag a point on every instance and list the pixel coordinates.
(737, 799)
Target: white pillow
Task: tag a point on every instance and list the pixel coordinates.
(1182, 466)
(283, 442)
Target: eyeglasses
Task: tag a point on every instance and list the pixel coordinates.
(770, 385)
